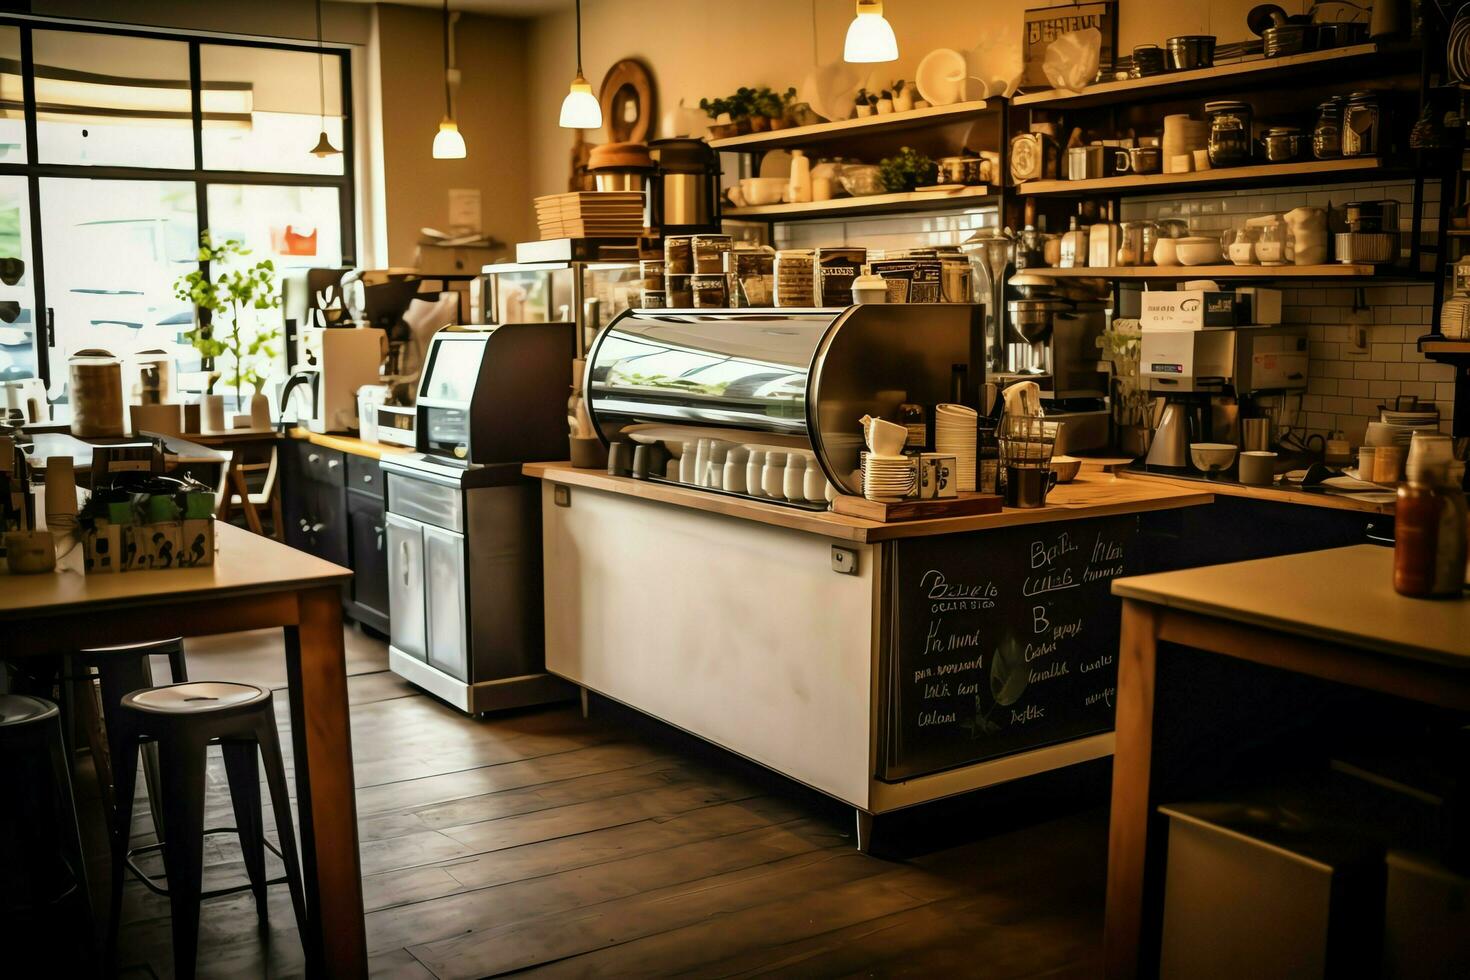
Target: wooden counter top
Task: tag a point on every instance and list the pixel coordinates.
(1280, 495)
(348, 444)
(1092, 494)
(1339, 595)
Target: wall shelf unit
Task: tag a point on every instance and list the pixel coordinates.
(850, 207)
(1267, 174)
(894, 122)
(1336, 270)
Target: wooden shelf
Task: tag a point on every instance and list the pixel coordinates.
(857, 126)
(1448, 351)
(1336, 270)
(1365, 168)
(1181, 83)
(872, 204)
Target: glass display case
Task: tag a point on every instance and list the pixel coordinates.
(588, 294)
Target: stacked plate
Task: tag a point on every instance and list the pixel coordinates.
(954, 434)
(886, 477)
(1405, 424)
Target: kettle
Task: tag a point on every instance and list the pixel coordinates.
(1170, 446)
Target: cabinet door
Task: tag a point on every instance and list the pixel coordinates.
(444, 582)
(329, 529)
(296, 494)
(366, 534)
(405, 542)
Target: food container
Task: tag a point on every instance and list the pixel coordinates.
(752, 272)
(1241, 249)
(680, 293)
(96, 392)
(1361, 125)
(1282, 144)
(1327, 134)
(678, 255)
(1189, 51)
(836, 268)
(1229, 143)
(1372, 216)
(1136, 243)
(1086, 162)
(652, 271)
(795, 271)
(653, 299)
(1197, 250)
(1034, 156)
(869, 289)
(1144, 159)
(1287, 39)
(709, 253)
(710, 291)
(1148, 60)
(955, 282)
(861, 179)
(1366, 247)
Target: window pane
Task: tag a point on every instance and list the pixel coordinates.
(113, 249)
(109, 100)
(18, 301)
(263, 109)
(12, 99)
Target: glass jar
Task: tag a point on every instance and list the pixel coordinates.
(1360, 125)
(1281, 144)
(1327, 134)
(1136, 243)
(796, 277)
(1229, 142)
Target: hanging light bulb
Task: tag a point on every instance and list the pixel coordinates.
(870, 37)
(324, 147)
(580, 109)
(448, 142)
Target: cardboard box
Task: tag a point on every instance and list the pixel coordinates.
(164, 539)
(196, 547)
(1189, 309)
(136, 556)
(102, 548)
(1262, 305)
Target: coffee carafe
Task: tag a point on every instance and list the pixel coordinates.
(991, 252)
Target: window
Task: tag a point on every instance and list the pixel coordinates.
(142, 141)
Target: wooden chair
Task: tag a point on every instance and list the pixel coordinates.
(239, 494)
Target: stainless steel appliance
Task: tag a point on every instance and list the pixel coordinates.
(685, 193)
(784, 380)
(463, 524)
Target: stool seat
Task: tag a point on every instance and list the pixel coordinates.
(22, 709)
(195, 697)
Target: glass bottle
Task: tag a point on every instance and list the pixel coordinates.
(1430, 541)
(1327, 134)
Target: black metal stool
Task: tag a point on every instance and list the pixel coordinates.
(184, 719)
(41, 868)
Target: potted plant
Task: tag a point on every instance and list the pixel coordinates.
(223, 326)
(901, 174)
(743, 111)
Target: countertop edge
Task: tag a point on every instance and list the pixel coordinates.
(847, 528)
(351, 445)
(1268, 494)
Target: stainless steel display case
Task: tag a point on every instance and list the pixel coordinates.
(588, 294)
(786, 380)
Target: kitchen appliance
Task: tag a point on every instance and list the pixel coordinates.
(332, 363)
(463, 524)
(778, 381)
(684, 195)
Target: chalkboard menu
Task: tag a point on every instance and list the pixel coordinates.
(1000, 641)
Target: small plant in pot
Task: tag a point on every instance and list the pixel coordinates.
(906, 171)
(722, 124)
(224, 328)
(775, 106)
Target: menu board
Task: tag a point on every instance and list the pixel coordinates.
(1000, 641)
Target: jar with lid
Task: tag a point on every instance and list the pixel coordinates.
(796, 277)
(1136, 243)
(1327, 134)
(1361, 125)
(1429, 550)
(1229, 143)
(1281, 144)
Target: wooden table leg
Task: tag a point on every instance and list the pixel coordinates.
(326, 801)
(252, 516)
(1132, 771)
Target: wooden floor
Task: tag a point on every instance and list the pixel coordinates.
(543, 843)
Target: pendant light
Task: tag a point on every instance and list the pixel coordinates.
(870, 37)
(580, 110)
(448, 143)
(324, 147)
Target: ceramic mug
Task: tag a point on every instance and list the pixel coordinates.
(737, 461)
(938, 476)
(30, 552)
(687, 459)
(814, 487)
(773, 476)
(794, 481)
(754, 468)
(1257, 467)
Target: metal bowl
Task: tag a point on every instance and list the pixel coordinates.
(1188, 51)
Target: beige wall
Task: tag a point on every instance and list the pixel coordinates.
(492, 111)
(710, 47)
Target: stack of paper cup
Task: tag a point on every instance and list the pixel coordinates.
(954, 435)
(1182, 136)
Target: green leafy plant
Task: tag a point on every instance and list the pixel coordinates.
(772, 104)
(910, 169)
(248, 346)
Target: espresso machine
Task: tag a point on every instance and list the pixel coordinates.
(1208, 377)
(1052, 338)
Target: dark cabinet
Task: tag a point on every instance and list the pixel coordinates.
(332, 507)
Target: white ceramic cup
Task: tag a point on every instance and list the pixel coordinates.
(701, 463)
(773, 476)
(686, 463)
(753, 473)
(736, 461)
(715, 468)
(1379, 434)
(794, 481)
(1257, 467)
(884, 438)
(814, 486)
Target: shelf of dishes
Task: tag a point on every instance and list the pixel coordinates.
(1304, 171)
(1334, 271)
(890, 122)
(935, 198)
(1213, 78)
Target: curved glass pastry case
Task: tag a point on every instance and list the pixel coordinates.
(730, 383)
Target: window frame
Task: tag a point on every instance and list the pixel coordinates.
(200, 176)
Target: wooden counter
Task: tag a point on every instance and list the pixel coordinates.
(348, 444)
(1280, 495)
(1092, 494)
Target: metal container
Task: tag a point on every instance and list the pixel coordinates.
(778, 380)
(1229, 142)
(1288, 39)
(1361, 127)
(95, 391)
(1372, 216)
(685, 193)
(1189, 51)
(1148, 60)
(1087, 162)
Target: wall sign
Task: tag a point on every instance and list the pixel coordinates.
(1043, 26)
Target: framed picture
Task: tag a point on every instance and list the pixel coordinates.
(1043, 26)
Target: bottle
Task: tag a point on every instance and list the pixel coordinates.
(959, 383)
(1074, 246)
(1103, 240)
(1429, 551)
(799, 186)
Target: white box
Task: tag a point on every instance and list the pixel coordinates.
(1263, 305)
(1188, 309)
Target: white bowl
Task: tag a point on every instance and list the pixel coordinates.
(940, 77)
(1197, 251)
(759, 191)
(1212, 456)
(1066, 468)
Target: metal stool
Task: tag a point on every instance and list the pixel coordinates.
(184, 719)
(41, 867)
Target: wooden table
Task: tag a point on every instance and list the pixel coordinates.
(1329, 614)
(254, 583)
